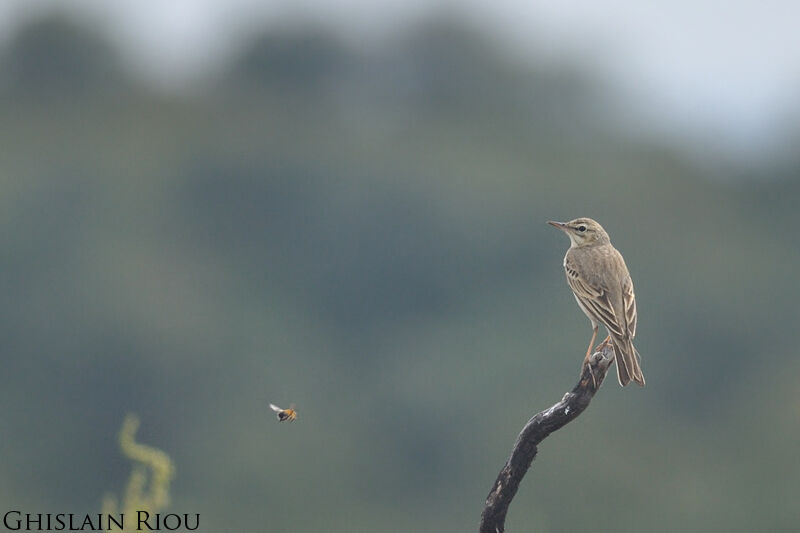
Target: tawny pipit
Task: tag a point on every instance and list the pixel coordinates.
(599, 279)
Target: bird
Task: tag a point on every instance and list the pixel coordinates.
(289, 414)
(602, 286)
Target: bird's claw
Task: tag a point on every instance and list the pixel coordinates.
(591, 373)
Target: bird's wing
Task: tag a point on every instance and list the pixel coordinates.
(275, 408)
(596, 300)
(629, 301)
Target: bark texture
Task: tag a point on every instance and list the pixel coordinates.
(535, 431)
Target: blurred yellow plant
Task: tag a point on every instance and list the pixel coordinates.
(140, 495)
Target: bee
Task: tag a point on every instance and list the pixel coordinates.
(284, 414)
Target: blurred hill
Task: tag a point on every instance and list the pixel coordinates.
(362, 232)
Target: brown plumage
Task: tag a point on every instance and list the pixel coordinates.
(599, 279)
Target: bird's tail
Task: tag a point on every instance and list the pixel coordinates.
(627, 358)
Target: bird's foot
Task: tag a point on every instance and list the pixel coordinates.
(587, 362)
(602, 345)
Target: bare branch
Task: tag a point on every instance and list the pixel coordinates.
(535, 431)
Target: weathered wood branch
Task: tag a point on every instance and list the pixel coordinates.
(535, 431)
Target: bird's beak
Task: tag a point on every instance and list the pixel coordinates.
(559, 225)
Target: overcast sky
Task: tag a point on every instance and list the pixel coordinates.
(728, 73)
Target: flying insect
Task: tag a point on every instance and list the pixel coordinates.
(289, 414)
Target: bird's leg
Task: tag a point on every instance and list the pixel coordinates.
(603, 344)
(591, 342)
(589, 354)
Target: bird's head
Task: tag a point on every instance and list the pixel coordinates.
(583, 232)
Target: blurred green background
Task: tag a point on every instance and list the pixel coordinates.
(362, 232)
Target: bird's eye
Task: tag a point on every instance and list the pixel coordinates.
(581, 228)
